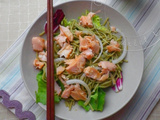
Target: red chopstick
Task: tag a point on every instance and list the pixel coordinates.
(50, 62)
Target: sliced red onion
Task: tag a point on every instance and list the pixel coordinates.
(72, 81)
(115, 88)
(124, 49)
(57, 18)
(119, 84)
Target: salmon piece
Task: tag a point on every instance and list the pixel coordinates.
(60, 70)
(57, 88)
(104, 71)
(114, 46)
(94, 44)
(107, 65)
(93, 73)
(89, 42)
(86, 21)
(77, 65)
(78, 93)
(88, 54)
(66, 32)
(68, 62)
(104, 77)
(42, 56)
(84, 44)
(65, 51)
(60, 39)
(91, 14)
(38, 64)
(63, 79)
(67, 92)
(38, 44)
(45, 45)
(78, 33)
(113, 29)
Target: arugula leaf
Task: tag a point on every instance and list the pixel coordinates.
(97, 101)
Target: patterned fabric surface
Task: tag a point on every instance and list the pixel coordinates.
(143, 15)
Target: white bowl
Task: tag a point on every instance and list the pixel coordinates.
(132, 71)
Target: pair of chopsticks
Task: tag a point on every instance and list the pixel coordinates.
(50, 62)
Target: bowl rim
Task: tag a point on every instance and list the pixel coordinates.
(70, 1)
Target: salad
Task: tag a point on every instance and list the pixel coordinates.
(87, 58)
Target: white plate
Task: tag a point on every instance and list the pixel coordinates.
(132, 71)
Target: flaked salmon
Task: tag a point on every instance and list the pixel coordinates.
(38, 44)
(92, 72)
(88, 54)
(94, 44)
(60, 39)
(78, 33)
(107, 65)
(89, 42)
(57, 88)
(65, 51)
(67, 91)
(84, 44)
(60, 70)
(86, 21)
(78, 93)
(69, 61)
(113, 46)
(104, 77)
(113, 29)
(76, 65)
(75, 92)
(38, 64)
(63, 79)
(66, 32)
(42, 56)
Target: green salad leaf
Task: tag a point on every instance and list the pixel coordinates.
(41, 94)
(97, 101)
(57, 98)
(96, 20)
(42, 89)
(86, 107)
